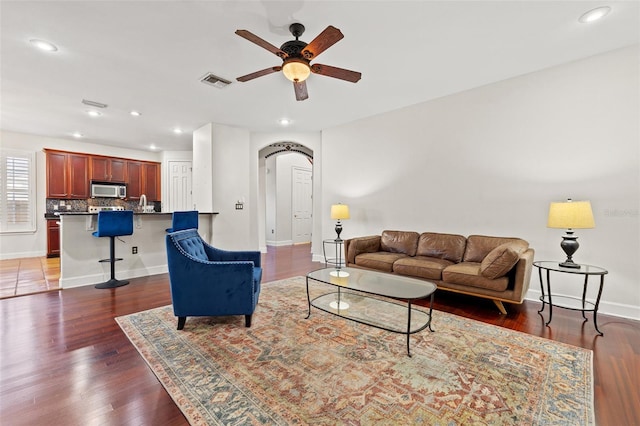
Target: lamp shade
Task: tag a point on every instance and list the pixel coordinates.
(296, 70)
(570, 215)
(339, 211)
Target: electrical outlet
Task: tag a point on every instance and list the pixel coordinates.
(134, 250)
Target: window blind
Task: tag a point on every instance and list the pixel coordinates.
(17, 182)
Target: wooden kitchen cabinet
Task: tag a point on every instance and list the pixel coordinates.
(106, 169)
(143, 178)
(53, 238)
(151, 181)
(67, 175)
(57, 175)
(134, 180)
(78, 176)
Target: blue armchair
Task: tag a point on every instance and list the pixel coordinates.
(206, 281)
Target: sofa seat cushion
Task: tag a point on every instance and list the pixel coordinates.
(468, 273)
(421, 266)
(405, 242)
(500, 261)
(444, 246)
(381, 261)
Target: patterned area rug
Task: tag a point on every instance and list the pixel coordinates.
(325, 370)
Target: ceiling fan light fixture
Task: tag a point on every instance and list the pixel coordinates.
(296, 69)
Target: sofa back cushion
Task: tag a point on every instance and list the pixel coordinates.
(399, 242)
(479, 246)
(442, 246)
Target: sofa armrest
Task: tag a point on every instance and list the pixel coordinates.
(522, 276)
(356, 246)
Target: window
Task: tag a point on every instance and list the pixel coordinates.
(17, 186)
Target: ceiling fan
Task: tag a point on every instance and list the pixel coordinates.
(296, 56)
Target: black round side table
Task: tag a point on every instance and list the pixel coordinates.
(568, 302)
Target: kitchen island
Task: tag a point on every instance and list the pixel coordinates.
(80, 251)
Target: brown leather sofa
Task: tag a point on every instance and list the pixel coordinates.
(495, 268)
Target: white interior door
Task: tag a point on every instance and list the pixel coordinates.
(180, 197)
(302, 205)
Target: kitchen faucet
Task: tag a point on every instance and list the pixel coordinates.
(143, 203)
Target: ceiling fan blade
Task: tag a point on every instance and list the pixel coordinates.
(259, 73)
(330, 36)
(262, 43)
(301, 90)
(335, 72)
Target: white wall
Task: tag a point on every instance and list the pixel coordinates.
(35, 244)
(230, 170)
(202, 178)
(489, 161)
(270, 198)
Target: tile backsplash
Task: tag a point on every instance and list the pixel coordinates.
(54, 205)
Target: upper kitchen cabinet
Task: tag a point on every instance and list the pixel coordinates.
(106, 169)
(134, 181)
(143, 178)
(151, 181)
(57, 179)
(67, 175)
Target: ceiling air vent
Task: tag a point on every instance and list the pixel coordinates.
(94, 103)
(215, 81)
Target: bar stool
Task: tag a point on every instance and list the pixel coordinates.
(184, 220)
(113, 224)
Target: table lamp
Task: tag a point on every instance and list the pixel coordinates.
(570, 215)
(339, 212)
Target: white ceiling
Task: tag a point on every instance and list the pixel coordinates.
(150, 56)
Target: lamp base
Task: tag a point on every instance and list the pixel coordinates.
(339, 273)
(569, 264)
(339, 305)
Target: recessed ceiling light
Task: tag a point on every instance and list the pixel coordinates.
(135, 113)
(284, 121)
(94, 113)
(594, 14)
(43, 45)
(152, 147)
(177, 130)
(77, 134)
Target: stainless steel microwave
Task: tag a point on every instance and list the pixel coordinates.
(108, 190)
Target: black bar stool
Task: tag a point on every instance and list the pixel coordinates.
(113, 224)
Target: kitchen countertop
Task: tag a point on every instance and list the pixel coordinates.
(57, 215)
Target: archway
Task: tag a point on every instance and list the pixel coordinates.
(286, 193)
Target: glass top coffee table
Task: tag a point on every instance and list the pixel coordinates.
(372, 298)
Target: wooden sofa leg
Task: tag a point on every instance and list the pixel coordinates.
(500, 306)
(247, 320)
(181, 321)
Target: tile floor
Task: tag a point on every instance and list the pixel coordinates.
(28, 275)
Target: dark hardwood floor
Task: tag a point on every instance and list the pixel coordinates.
(65, 361)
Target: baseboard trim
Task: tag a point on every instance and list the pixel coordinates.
(8, 256)
(280, 243)
(94, 279)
